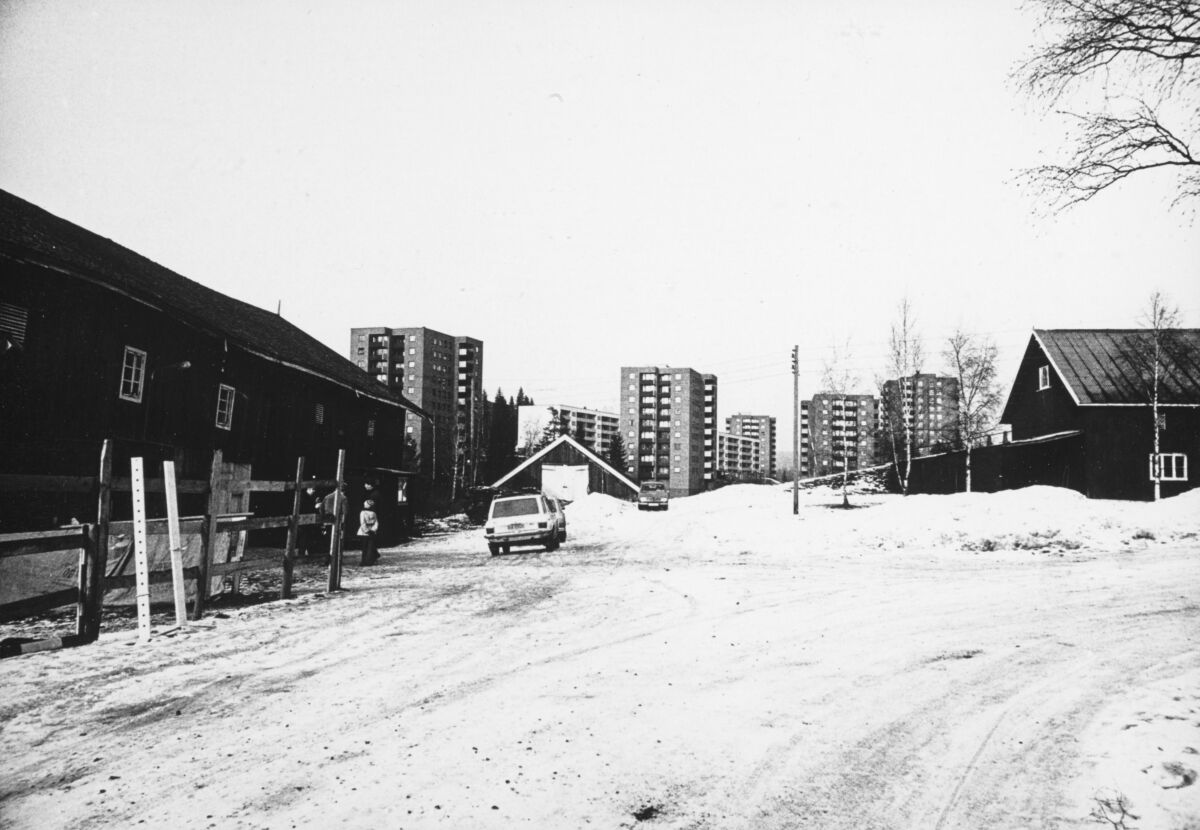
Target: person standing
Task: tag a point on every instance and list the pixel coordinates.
(368, 526)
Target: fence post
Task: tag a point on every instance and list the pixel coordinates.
(87, 558)
(335, 534)
(98, 567)
(208, 533)
(141, 550)
(289, 553)
(177, 581)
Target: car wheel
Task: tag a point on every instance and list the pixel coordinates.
(495, 549)
(552, 544)
(562, 535)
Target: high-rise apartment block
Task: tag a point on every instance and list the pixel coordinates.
(592, 428)
(761, 427)
(837, 432)
(739, 457)
(927, 403)
(441, 373)
(669, 424)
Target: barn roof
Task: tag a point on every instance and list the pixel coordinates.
(30, 234)
(591, 457)
(1099, 367)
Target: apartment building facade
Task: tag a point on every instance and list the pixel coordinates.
(927, 404)
(761, 427)
(591, 427)
(739, 457)
(668, 419)
(837, 433)
(446, 372)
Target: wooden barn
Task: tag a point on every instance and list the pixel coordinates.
(99, 342)
(1081, 417)
(568, 470)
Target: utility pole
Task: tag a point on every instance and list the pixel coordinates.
(795, 430)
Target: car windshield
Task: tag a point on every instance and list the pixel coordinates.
(515, 507)
(654, 485)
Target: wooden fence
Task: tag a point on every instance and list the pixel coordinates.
(95, 577)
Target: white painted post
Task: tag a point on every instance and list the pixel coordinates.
(141, 555)
(176, 544)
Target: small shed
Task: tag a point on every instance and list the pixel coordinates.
(568, 470)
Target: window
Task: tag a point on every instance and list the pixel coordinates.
(13, 320)
(319, 413)
(225, 396)
(371, 427)
(1043, 377)
(1172, 466)
(133, 374)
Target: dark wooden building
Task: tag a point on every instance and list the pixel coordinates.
(1081, 417)
(99, 342)
(567, 469)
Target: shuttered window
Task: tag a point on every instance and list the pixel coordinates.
(13, 320)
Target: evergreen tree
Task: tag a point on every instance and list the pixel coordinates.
(616, 453)
(502, 439)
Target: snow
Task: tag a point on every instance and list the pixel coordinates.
(930, 661)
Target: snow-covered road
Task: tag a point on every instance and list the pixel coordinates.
(930, 662)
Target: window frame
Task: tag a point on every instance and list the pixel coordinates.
(1179, 470)
(133, 375)
(226, 397)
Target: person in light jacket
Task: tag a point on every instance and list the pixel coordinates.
(368, 526)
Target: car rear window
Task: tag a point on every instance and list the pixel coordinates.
(515, 507)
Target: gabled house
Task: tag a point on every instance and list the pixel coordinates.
(1084, 397)
(568, 470)
(98, 342)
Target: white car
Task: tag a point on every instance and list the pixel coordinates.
(533, 519)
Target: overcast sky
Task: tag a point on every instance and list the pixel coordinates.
(585, 185)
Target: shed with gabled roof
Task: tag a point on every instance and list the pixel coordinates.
(568, 469)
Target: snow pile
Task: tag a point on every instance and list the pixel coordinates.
(1037, 519)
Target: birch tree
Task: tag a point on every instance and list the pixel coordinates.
(838, 379)
(1151, 355)
(1141, 60)
(972, 361)
(905, 357)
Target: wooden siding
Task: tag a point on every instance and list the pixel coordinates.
(1033, 412)
(61, 397)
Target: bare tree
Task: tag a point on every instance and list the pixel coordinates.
(905, 357)
(1143, 54)
(1151, 355)
(972, 360)
(839, 380)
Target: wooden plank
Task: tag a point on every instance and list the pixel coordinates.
(112, 583)
(208, 536)
(100, 541)
(48, 644)
(289, 552)
(335, 533)
(156, 485)
(141, 553)
(157, 527)
(70, 540)
(39, 534)
(256, 486)
(36, 605)
(243, 565)
(179, 592)
(86, 560)
(47, 484)
(253, 524)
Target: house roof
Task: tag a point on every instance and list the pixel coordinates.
(30, 234)
(1098, 366)
(591, 457)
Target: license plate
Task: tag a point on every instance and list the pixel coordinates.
(517, 526)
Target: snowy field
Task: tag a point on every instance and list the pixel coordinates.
(934, 662)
